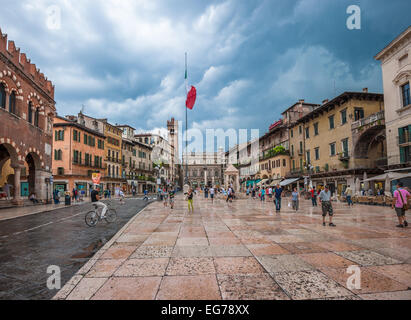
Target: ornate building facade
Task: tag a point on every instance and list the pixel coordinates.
(27, 108)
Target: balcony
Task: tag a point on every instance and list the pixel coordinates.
(343, 156)
(300, 152)
(374, 119)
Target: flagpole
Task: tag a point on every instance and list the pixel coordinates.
(186, 79)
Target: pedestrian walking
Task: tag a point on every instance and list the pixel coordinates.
(348, 195)
(313, 197)
(295, 199)
(400, 203)
(262, 195)
(277, 193)
(206, 192)
(325, 201)
(212, 192)
(270, 193)
(190, 200)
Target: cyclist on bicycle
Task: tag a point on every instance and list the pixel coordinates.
(145, 195)
(95, 198)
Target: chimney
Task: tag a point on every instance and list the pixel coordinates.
(301, 101)
(325, 101)
(365, 90)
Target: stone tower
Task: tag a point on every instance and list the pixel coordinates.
(172, 127)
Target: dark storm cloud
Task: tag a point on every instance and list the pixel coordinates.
(249, 59)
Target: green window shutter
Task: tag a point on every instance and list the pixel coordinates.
(402, 155)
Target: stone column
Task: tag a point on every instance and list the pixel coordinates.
(17, 189)
(205, 178)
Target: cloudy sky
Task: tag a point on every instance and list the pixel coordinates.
(124, 59)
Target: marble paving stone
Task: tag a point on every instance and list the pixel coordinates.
(238, 265)
(283, 263)
(118, 252)
(192, 251)
(160, 242)
(249, 287)
(192, 242)
(338, 246)
(144, 252)
(223, 241)
(398, 272)
(140, 288)
(132, 238)
(266, 249)
(201, 287)
(397, 295)
(309, 285)
(190, 266)
(328, 259)
(230, 251)
(367, 258)
(400, 253)
(286, 238)
(86, 288)
(143, 267)
(370, 281)
(104, 268)
(302, 247)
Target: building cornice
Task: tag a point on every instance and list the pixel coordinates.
(394, 45)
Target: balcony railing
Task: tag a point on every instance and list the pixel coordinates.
(371, 119)
(344, 156)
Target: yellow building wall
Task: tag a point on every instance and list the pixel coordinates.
(5, 172)
(326, 136)
(115, 133)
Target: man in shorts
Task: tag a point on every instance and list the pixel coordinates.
(400, 200)
(325, 201)
(212, 192)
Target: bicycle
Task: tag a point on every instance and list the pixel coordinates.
(94, 216)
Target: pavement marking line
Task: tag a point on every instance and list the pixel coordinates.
(40, 226)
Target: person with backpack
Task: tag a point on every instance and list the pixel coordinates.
(190, 200)
(400, 204)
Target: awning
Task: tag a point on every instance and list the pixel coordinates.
(275, 182)
(389, 176)
(288, 181)
(262, 182)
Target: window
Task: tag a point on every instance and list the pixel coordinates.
(292, 133)
(300, 129)
(404, 134)
(405, 155)
(344, 144)
(316, 129)
(12, 103)
(308, 153)
(58, 155)
(358, 114)
(293, 164)
(301, 148)
(75, 156)
(36, 117)
(29, 113)
(344, 116)
(292, 150)
(2, 96)
(59, 135)
(405, 89)
(331, 122)
(75, 132)
(60, 171)
(317, 153)
(307, 133)
(284, 163)
(332, 149)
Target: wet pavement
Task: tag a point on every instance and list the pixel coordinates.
(245, 250)
(30, 244)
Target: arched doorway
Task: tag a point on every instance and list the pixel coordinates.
(370, 148)
(8, 161)
(30, 176)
